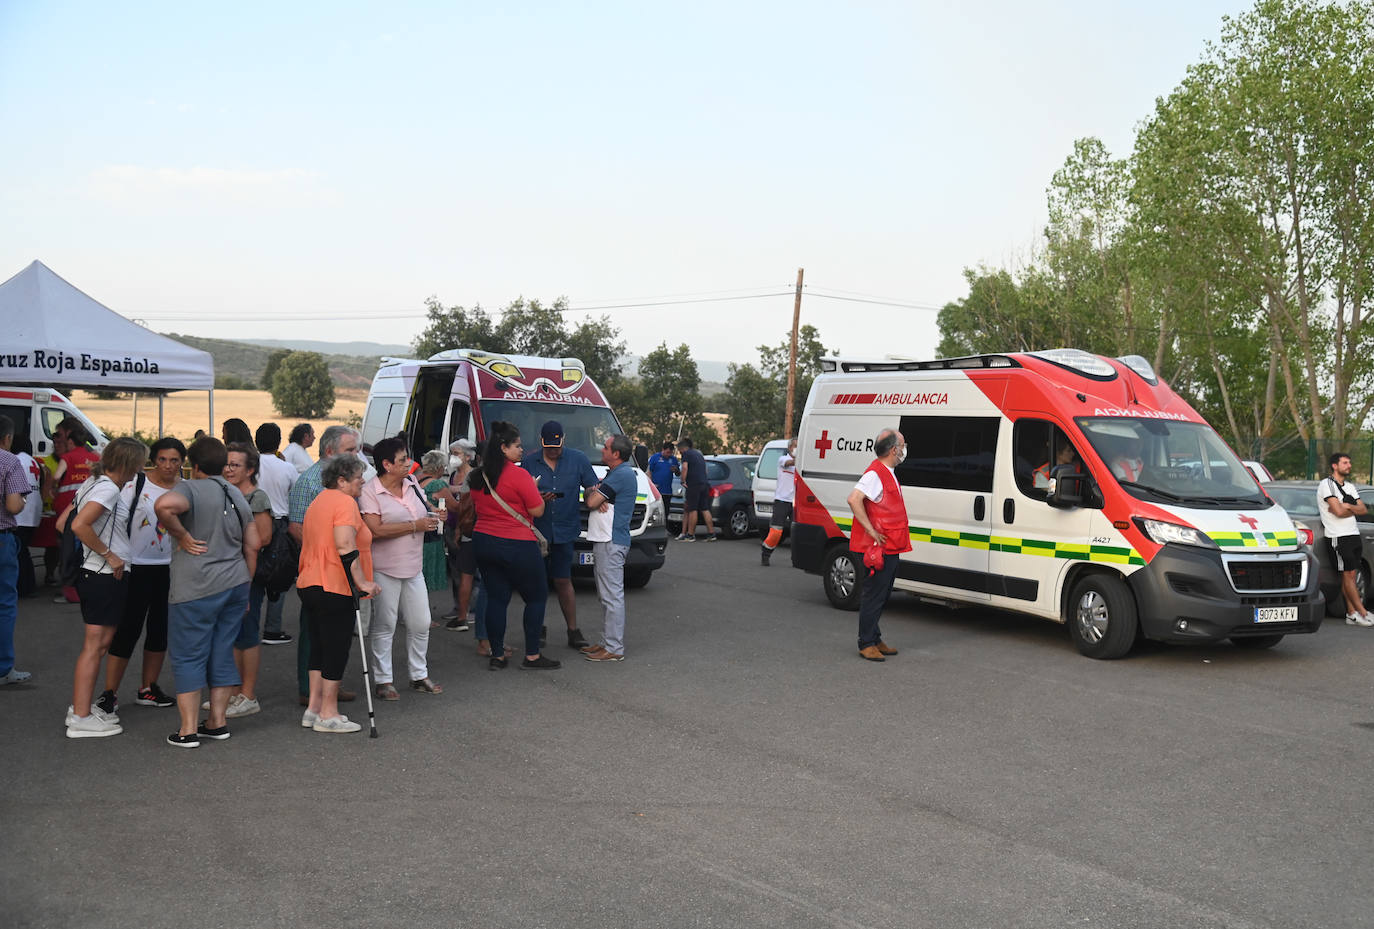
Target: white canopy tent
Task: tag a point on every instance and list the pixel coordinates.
(57, 336)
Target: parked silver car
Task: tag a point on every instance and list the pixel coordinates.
(1299, 498)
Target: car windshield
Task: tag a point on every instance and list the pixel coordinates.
(1298, 501)
(1165, 461)
(584, 427)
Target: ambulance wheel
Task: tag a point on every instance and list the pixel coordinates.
(1256, 642)
(840, 574)
(1101, 617)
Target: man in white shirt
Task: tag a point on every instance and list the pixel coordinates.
(783, 495)
(878, 536)
(275, 477)
(1338, 501)
(302, 437)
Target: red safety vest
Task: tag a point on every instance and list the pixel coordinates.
(888, 516)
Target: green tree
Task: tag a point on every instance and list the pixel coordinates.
(756, 397)
(273, 362)
(302, 387)
(667, 401)
(526, 327)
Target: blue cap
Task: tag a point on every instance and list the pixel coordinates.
(552, 434)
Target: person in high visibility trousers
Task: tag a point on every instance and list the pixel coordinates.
(783, 497)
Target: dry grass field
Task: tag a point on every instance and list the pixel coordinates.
(186, 411)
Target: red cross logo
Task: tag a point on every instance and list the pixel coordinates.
(1250, 521)
(823, 443)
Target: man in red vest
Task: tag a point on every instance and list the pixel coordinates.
(879, 536)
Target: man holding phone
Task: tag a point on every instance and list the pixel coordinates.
(561, 474)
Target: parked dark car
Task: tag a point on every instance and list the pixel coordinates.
(1299, 499)
(732, 496)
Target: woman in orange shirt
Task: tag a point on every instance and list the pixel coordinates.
(336, 548)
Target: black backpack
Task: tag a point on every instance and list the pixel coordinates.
(278, 561)
(71, 554)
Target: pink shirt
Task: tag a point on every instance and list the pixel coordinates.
(402, 556)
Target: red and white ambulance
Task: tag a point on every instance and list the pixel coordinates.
(1062, 484)
(454, 394)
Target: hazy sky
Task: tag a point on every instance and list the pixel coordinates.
(316, 170)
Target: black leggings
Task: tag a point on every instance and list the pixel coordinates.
(147, 598)
(331, 630)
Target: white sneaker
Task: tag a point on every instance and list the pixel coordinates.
(308, 719)
(91, 727)
(336, 724)
(1358, 619)
(239, 705)
(95, 711)
(14, 676)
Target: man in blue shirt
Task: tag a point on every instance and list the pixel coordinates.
(662, 467)
(560, 474)
(608, 526)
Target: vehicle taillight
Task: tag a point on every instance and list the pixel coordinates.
(1306, 536)
(719, 489)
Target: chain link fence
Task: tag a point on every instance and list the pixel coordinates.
(1295, 458)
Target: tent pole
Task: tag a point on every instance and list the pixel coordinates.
(160, 398)
(135, 429)
(211, 430)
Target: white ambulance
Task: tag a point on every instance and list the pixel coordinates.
(454, 394)
(36, 411)
(1062, 484)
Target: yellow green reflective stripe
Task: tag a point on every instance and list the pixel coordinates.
(1071, 551)
(1254, 539)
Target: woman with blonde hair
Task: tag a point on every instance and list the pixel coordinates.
(100, 520)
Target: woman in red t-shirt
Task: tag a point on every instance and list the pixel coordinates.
(507, 553)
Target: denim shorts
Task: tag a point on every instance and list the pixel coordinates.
(248, 635)
(200, 639)
(560, 559)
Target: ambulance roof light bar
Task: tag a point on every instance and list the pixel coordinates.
(940, 364)
(1079, 362)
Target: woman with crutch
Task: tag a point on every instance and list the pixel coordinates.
(336, 546)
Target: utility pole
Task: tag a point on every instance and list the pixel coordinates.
(792, 356)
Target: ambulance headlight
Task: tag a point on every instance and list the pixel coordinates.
(1164, 533)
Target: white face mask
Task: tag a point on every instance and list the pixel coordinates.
(455, 462)
(901, 455)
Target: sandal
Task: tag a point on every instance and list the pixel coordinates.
(426, 686)
(387, 692)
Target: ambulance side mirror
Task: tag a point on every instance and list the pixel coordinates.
(1067, 487)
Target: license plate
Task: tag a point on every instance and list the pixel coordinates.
(1276, 614)
(585, 558)
(764, 508)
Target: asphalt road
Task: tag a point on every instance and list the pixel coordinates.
(743, 767)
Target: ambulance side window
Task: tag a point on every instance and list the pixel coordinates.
(949, 452)
(1037, 447)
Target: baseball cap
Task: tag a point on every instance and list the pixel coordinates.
(552, 434)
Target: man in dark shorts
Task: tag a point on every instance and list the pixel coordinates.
(696, 492)
(1339, 503)
(561, 474)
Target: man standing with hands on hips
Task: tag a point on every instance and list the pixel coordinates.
(879, 535)
(608, 527)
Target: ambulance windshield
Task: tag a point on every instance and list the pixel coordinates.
(584, 427)
(1166, 461)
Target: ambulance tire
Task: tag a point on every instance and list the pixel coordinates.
(840, 572)
(1101, 616)
(1256, 642)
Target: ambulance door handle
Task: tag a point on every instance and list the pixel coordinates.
(980, 508)
(1009, 511)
